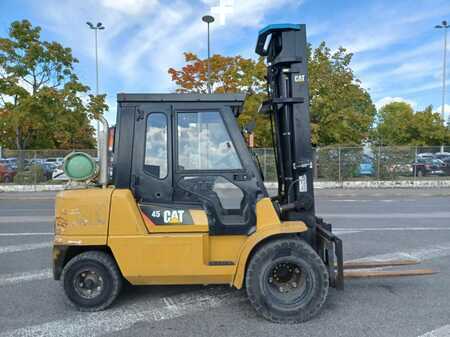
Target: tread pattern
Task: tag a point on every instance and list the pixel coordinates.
(109, 264)
(300, 249)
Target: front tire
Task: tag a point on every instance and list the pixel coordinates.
(91, 281)
(286, 281)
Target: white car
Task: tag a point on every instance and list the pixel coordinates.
(59, 175)
(57, 161)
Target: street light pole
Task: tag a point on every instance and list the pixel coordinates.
(96, 28)
(444, 25)
(208, 19)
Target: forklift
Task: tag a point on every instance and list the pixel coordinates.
(187, 204)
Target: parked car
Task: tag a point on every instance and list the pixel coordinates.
(11, 162)
(37, 161)
(59, 175)
(366, 167)
(444, 156)
(56, 160)
(48, 168)
(425, 155)
(430, 167)
(7, 173)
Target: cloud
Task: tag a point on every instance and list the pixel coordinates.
(130, 7)
(388, 99)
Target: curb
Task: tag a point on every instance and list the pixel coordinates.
(375, 184)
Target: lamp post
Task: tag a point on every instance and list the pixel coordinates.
(96, 28)
(208, 19)
(444, 25)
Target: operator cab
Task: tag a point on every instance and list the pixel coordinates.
(187, 155)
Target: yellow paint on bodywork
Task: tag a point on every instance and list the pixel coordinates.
(125, 217)
(161, 254)
(266, 215)
(282, 228)
(82, 214)
(148, 257)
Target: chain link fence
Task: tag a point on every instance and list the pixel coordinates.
(335, 163)
(32, 167)
(369, 163)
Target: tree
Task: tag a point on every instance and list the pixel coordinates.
(229, 75)
(341, 111)
(40, 94)
(429, 128)
(394, 124)
(398, 124)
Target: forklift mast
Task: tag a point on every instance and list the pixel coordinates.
(284, 46)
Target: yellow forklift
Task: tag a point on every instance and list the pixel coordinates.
(186, 203)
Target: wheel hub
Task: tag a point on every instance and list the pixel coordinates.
(286, 278)
(88, 284)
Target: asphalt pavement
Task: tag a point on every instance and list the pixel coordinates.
(378, 224)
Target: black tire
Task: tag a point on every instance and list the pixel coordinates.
(282, 302)
(101, 276)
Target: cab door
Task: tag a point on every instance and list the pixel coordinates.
(210, 169)
(151, 178)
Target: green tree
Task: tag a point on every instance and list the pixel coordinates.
(429, 128)
(398, 124)
(40, 94)
(395, 124)
(341, 110)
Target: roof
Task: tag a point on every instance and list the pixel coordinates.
(237, 99)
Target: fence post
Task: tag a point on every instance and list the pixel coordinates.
(339, 160)
(379, 163)
(34, 168)
(414, 167)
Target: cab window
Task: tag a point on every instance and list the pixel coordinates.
(156, 161)
(204, 142)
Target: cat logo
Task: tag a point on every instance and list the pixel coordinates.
(173, 216)
(299, 78)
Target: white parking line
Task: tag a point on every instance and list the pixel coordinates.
(25, 219)
(381, 215)
(425, 253)
(441, 332)
(122, 317)
(365, 200)
(9, 279)
(24, 247)
(26, 234)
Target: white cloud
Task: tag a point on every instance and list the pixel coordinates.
(388, 99)
(130, 7)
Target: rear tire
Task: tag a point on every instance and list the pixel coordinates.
(286, 281)
(91, 281)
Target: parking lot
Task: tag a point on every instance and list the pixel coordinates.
(372, 223)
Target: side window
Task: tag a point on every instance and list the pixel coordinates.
(155, 162)
(204, 142)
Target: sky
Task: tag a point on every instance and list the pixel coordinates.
(398, 54)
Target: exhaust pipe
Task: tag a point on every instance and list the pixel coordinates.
(103, 146)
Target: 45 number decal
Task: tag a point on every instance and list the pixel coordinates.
(169, 216)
